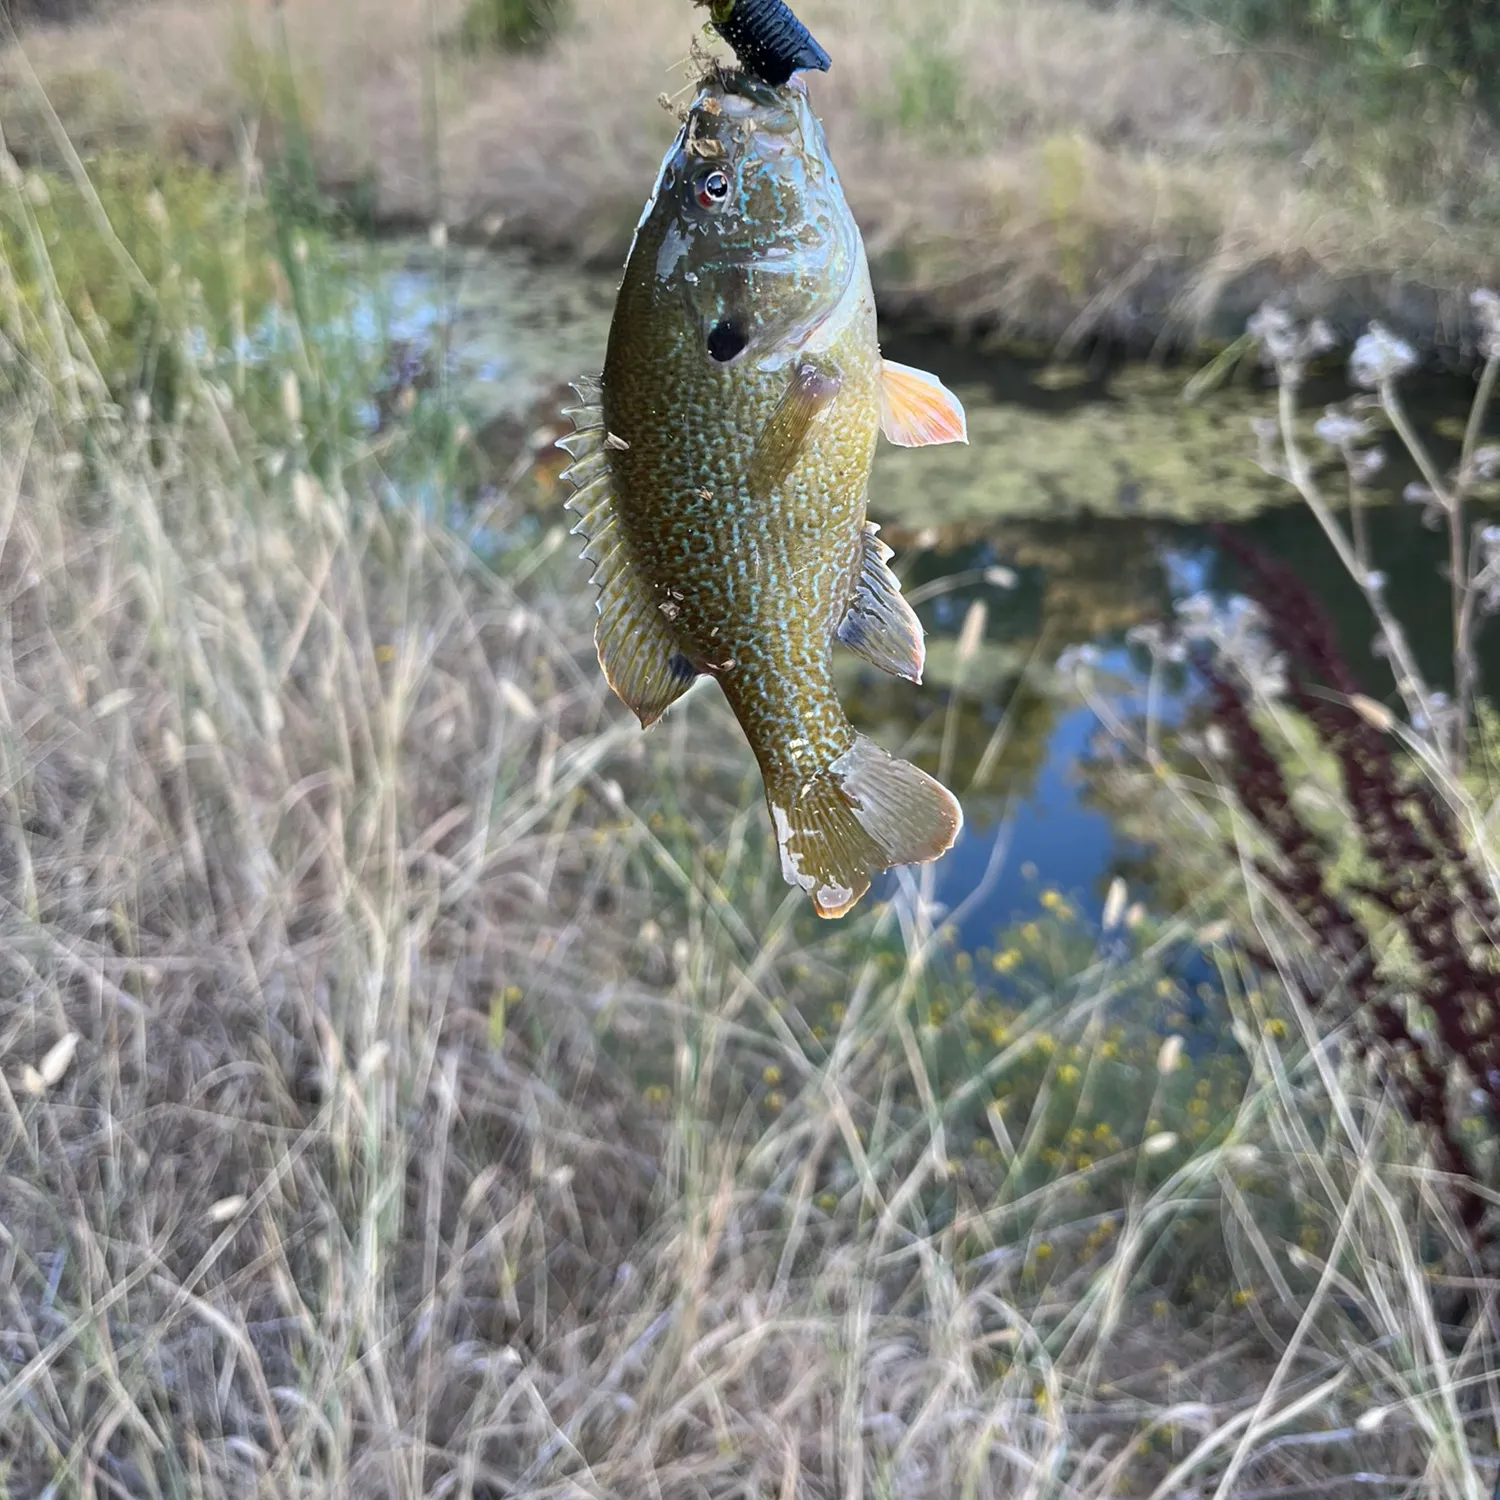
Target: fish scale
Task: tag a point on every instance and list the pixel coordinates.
(776, 614)
(720, 477)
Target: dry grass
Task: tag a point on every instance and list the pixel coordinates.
(327, 872)
(1099, 168)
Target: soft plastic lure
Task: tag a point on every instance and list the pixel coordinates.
(769, 41)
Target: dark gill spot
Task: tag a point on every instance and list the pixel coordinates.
(725, 340)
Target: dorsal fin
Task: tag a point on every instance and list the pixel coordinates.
(881, 626)
(637, 651)
(917, 408)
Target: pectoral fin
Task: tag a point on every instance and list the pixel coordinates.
(637, 651)
(881, 626)
(781, 440)
(917, 408)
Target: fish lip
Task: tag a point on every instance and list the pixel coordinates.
(740, 95)
(738, 81)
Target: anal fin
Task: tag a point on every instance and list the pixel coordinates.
(640, 657)
(881, 626)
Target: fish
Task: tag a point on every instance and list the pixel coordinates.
(720, 464)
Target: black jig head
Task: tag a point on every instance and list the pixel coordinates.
(769, 41)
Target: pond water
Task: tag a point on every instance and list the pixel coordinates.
(1081, 507)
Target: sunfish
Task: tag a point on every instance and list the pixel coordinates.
(719, 476)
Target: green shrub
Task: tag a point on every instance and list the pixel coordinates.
(929, 86)
(511, 25)
(182, 251)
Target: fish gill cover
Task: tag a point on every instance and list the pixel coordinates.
(769, 41)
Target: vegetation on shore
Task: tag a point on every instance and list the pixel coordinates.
(418, 1082)
(1115, 168)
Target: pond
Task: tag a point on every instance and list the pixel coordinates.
(1082, 506)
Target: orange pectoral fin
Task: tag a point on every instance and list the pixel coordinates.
(917, 408)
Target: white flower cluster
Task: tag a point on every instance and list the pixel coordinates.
(1236, 629)
(1433, 509)
(1487, 580)
(1163, 643)
(1486, 307)
(1380, 357)
(1078, 661)
(1343, 428)
(1437, 720)
(1286, 344)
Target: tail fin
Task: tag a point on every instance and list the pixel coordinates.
(866, 812)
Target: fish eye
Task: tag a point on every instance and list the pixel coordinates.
(712, 189)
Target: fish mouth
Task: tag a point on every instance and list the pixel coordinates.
(732, 80)
(738, 96)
